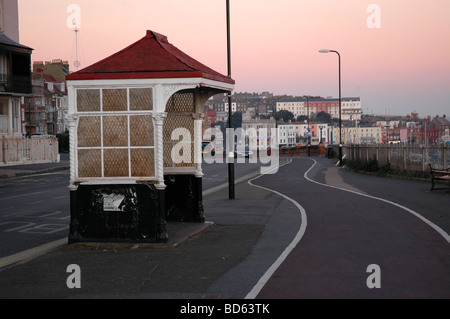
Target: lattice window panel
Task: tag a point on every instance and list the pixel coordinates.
(115, 162)
(115, 131)
(181, 102)
(89, 131)
(141, 99)
(142, 162)
(141, 130)
(120, 145)
(114, 100)
(88, 100)
(172, 122)
(89, 163)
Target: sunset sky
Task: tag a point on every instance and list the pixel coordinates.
(395, 53)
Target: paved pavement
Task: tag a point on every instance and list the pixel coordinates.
(224, 258)
(23, 170)
(212, 260)
(356, 222)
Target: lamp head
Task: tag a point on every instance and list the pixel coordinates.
(325, 51)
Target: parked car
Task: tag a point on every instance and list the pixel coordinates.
(208, 148)
(243, 151)
(38, 135)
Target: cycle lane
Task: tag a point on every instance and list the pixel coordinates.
(347, 235)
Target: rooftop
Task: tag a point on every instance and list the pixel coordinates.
(4, 40)
(150, 57)
(322, 99)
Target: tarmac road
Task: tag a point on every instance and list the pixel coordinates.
(348, 234)
(302, 239)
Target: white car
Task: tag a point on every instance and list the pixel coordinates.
(243, 151)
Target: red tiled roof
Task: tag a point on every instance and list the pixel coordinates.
(151, 57)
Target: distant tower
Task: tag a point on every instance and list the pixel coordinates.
(77, 62)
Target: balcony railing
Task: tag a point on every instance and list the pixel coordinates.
(21, 84)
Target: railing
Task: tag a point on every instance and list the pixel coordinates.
(21, 84)
(20, 150)
(400, 156)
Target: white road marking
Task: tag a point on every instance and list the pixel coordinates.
(429, 223)
(268, 274)
(23, 195)
(262, 282)
(31, 253)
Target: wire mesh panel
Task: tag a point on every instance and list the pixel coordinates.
(88, 100)
(436, 156)
(114, 100)
(180, 108)
(142, 162)
(185, 123)
(89, 131)
(115, 162)
(141, 130)
(89, 163)
(181, 102)
(115, 131)
(141, 99)
(414, 157)
(119, 144)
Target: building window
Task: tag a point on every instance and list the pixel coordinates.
(4, 116)
(3, 69)
(15, 116)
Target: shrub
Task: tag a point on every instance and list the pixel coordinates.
(370, 166)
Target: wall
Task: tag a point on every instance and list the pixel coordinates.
(20, 150)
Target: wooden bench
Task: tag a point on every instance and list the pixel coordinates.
(439, 175)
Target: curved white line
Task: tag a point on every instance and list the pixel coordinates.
(429, 223)
(262, 282)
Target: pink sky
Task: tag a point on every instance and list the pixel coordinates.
(399, 68)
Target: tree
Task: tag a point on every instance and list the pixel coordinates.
(302, 118)
(236, 120)
(323, 117)
(285, 115)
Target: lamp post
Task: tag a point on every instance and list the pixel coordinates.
(309, 133)
(340, 103)
(231, 192)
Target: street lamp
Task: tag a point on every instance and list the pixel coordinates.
(340, 103)
(231, 190)
(309, 133)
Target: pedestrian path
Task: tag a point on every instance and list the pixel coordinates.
(240, 234)
(38, 168)
(349, 234)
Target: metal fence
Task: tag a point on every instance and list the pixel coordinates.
(403, 157)
(21, 150)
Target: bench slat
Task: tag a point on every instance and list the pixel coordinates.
(447, 178)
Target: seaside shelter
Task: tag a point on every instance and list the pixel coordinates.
(135, 122)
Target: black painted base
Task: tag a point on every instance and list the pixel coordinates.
(117, 213)
(184, 202)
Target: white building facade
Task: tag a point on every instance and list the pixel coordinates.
(297, 108)
(287, 134)
(350, 110)
(356, 135)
